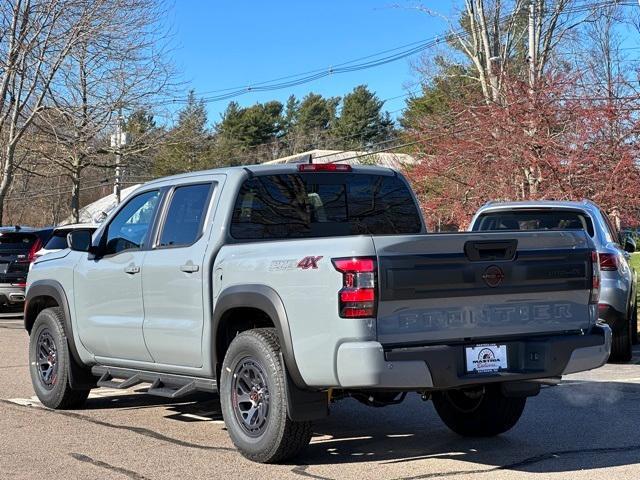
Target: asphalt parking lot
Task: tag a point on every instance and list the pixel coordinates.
(588, 427)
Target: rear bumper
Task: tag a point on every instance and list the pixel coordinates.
(368, 365)
(11, 295)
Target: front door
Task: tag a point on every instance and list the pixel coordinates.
(108, 290)
(173, 277)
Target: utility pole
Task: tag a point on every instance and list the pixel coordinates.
(118, 140)
(532, 44)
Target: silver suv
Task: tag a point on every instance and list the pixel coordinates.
(618, 305)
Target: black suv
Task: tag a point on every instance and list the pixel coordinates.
(18, 247)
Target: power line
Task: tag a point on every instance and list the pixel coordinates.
(370, 61)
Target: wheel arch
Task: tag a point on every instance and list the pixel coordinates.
(45, 294)
(262, 300)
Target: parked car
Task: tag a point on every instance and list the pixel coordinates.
(618, 305)
(18, 246)
(58, 239)
(282, 286)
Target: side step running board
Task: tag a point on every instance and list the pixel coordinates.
(162, 384)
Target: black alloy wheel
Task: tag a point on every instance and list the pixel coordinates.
(250, 393)
(47, 359)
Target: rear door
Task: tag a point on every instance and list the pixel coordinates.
(465, 287)
(173, 275)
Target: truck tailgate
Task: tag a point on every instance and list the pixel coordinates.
(466, 287)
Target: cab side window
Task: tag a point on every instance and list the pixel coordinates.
(130, 228)
(183, 224)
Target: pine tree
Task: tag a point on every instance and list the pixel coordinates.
(311, 121)
(361, 123)
(188, 145)
(249, 135)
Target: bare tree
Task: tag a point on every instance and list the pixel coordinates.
(36, 36)
(66, 66)
(493, 36)
(122, 65)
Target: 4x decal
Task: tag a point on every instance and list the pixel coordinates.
(309, 262)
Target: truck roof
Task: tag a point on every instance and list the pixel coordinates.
(269, 170)
(585, 205)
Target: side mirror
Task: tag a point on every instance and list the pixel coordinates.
(629, 245)
(79, 240)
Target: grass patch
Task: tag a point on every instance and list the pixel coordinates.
(635, 261)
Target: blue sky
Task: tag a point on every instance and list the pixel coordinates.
(224, 43)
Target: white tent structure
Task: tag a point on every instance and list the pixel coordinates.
(383, 159)
(97, 211)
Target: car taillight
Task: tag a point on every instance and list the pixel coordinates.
(357, 297)
(595, 278)
(608, 262)
(37, 245)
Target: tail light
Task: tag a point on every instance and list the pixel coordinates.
(595, 277)
(608, 262)
(324, 167)
(357, 297)
(37, 245)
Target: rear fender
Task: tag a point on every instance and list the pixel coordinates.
(262, 298)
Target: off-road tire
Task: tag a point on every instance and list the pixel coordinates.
(490, 414)
(621, 341)
(58, 395)
(281, 438)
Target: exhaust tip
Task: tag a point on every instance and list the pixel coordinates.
(16, 297)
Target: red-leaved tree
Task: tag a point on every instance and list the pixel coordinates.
(549, 144)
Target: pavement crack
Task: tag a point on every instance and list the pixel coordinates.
(107, 466)
(139, 430)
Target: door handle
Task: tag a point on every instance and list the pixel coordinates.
(189, 268)
(132, 269)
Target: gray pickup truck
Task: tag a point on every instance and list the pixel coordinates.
(284, 288)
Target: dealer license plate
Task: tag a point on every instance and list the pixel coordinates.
(486, 358)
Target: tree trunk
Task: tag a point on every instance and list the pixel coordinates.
(75, 194)
(7, 171)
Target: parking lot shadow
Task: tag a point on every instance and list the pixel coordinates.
(205, 406)
(575, 426)
(580, 425)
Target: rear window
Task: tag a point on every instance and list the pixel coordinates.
(183, 224)
(16, 240)
(534, 220)
(323, 205)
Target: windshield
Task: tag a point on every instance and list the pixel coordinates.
(58, 241)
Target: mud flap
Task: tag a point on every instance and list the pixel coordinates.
(304, 405)
(80, 378)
